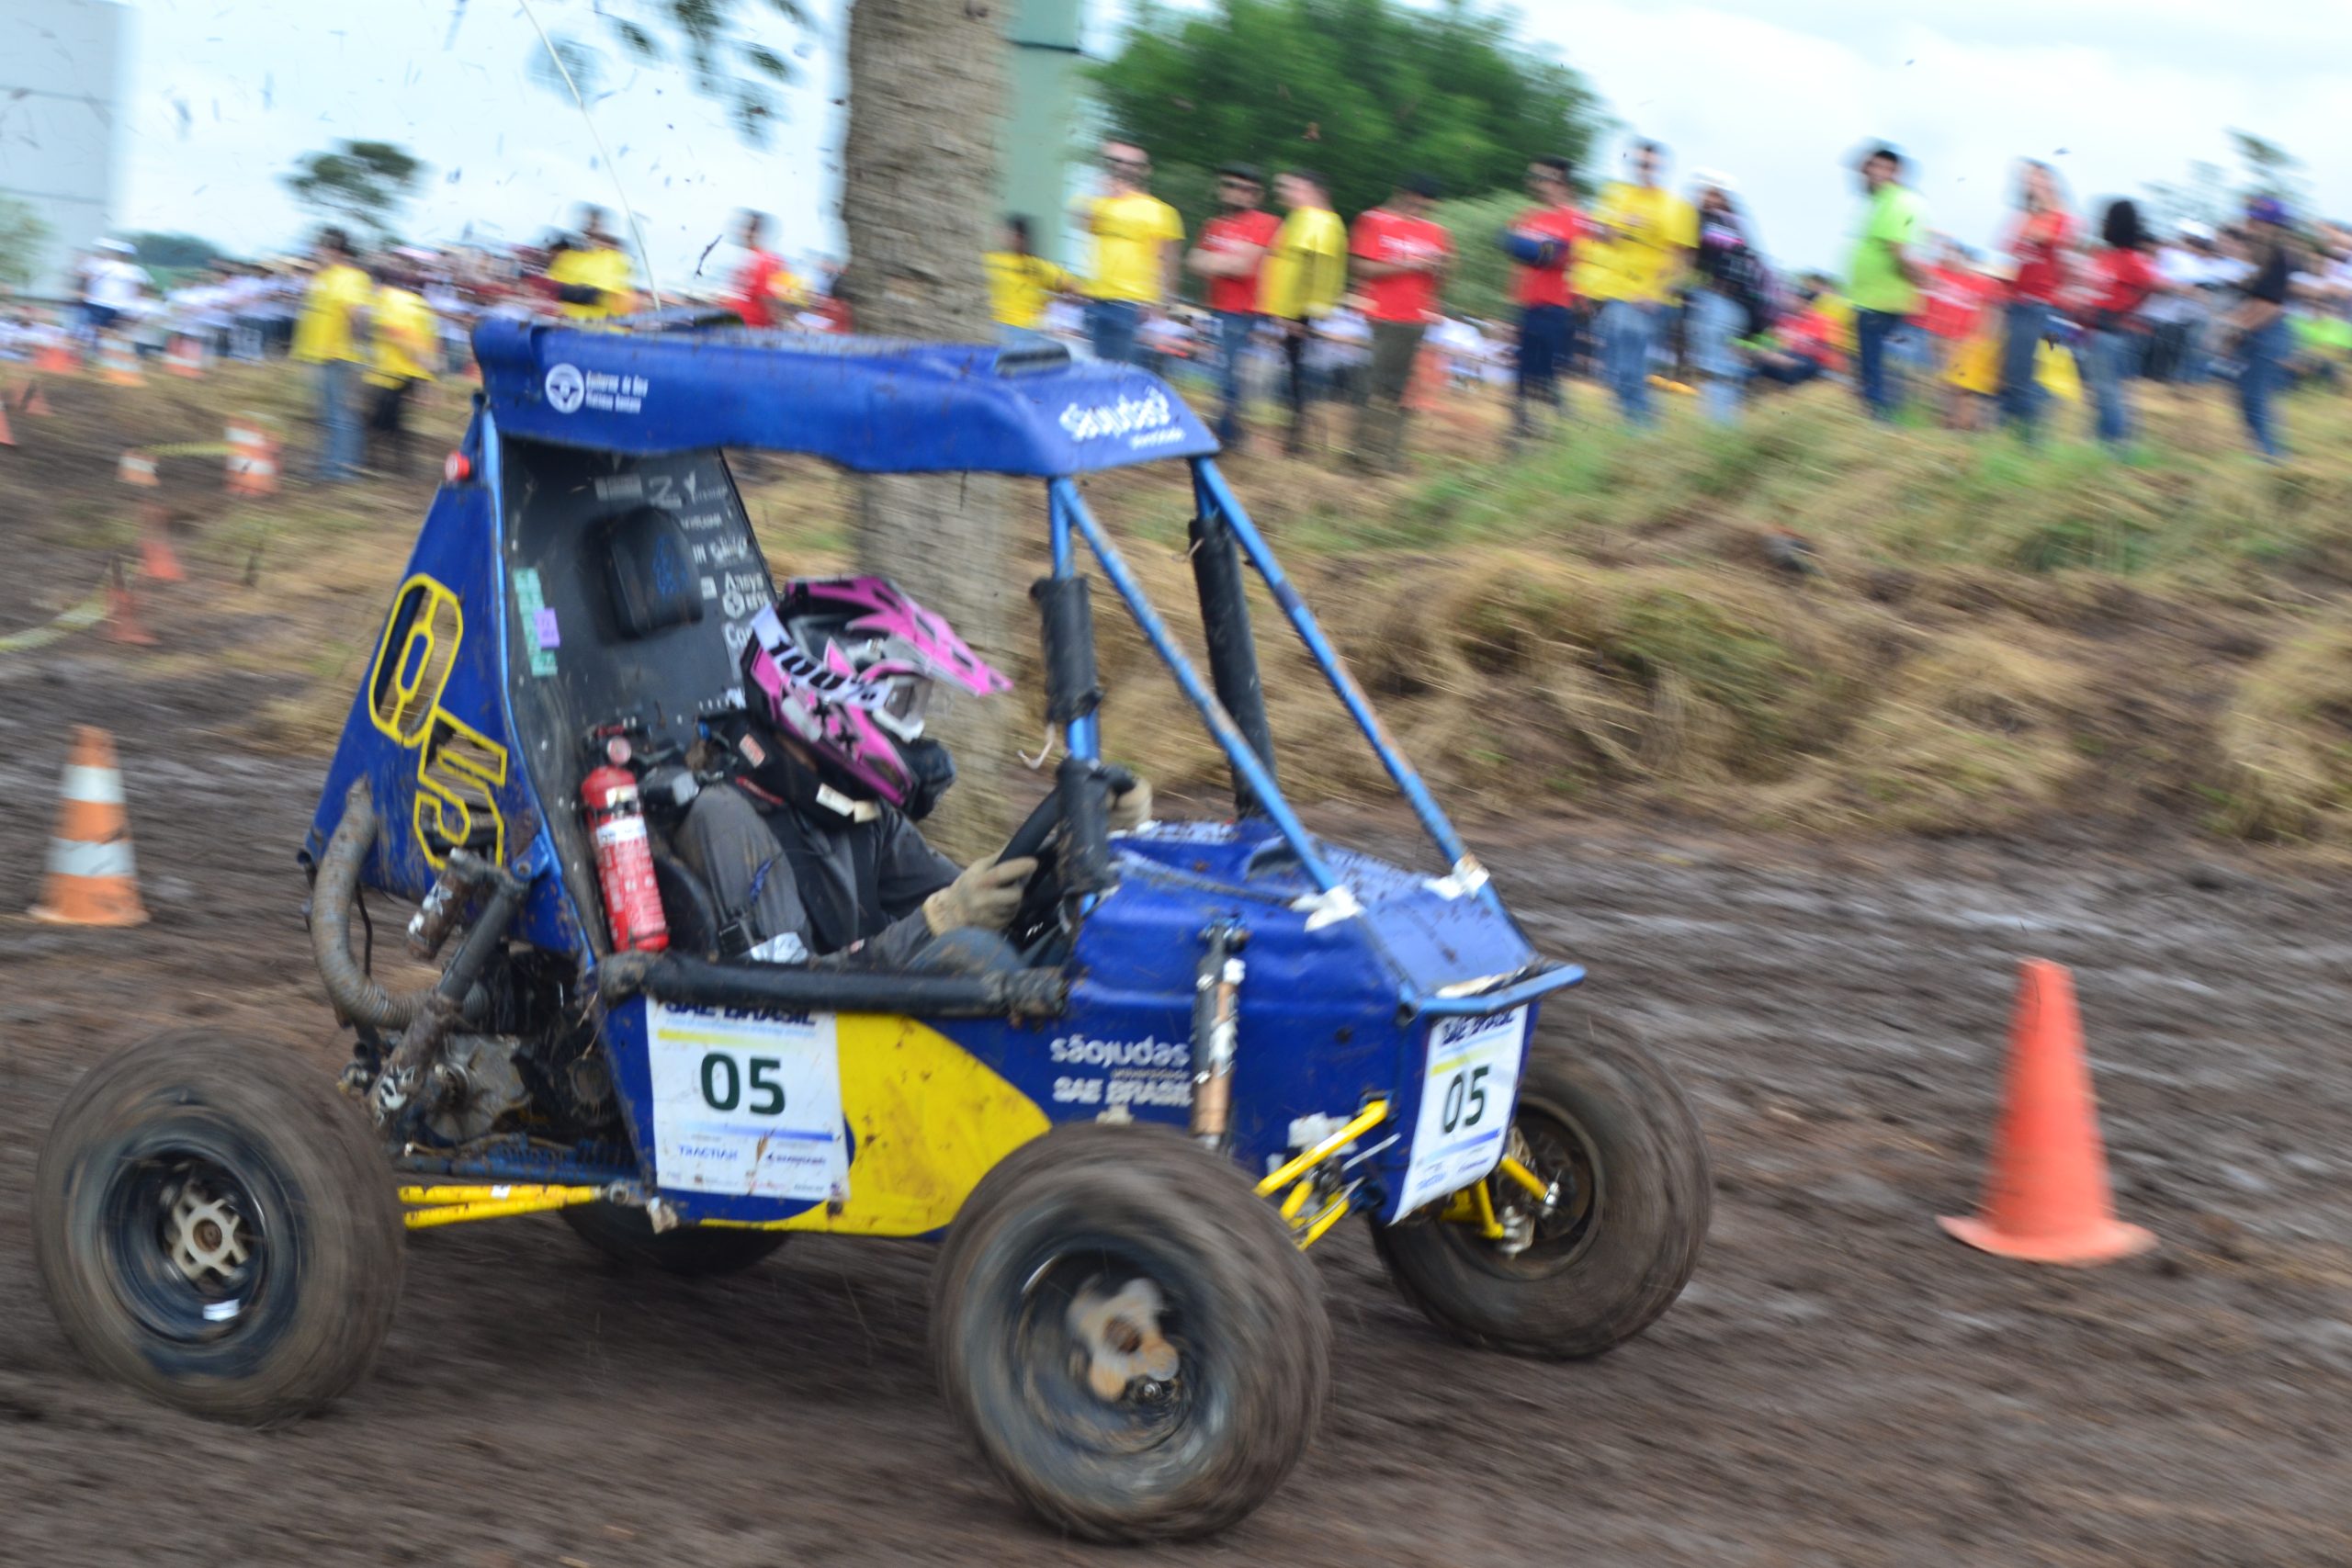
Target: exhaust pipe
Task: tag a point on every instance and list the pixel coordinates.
(355, 994)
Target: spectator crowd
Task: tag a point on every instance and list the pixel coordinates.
(1647, 288)
(1641, 286)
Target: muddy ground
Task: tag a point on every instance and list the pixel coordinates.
(1840, 1384)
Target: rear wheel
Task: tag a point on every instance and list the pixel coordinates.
(1613, 1238)
(216, 1227)
(627, 1235)
(1128, 1334)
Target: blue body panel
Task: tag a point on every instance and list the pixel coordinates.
(461, 769)
(872, 405)
(1324, 1024)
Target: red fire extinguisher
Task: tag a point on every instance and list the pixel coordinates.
(624, 861)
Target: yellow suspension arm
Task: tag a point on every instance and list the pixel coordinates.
(1370, 1116)
(456, 1205)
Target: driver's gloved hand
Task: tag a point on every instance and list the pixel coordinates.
(1131, 808)
(985, 896)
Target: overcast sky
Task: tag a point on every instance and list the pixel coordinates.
(222, 96)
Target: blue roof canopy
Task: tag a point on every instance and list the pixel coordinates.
(877, 405)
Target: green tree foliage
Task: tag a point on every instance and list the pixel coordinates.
(1479, 283)
(360, 185)
(23, 238)
(2210, 196)
(174, 252)
(1367, 91)
(724, 60)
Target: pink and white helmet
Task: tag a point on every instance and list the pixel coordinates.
(846, 664)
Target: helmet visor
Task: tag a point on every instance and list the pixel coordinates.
(904, 705)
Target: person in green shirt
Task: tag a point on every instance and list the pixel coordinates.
(1883, 283)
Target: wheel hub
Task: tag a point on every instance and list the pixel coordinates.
(206, 1235)
(1126, 1354)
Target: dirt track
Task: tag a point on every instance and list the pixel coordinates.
(1840, 1384)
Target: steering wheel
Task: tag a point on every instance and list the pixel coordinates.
(1039, 835)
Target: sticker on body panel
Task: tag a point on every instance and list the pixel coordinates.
(746, 1103)
(1466, 1097)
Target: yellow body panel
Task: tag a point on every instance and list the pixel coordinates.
(927, 1120)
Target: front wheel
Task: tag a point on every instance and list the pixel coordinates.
(1610, 1242)
(1128, 1334)
(216, 1227)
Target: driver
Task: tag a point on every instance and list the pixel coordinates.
(810, 848)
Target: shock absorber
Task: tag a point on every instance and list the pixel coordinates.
(1216, 1021)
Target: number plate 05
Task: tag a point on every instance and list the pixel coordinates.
(1467, 1098)
(746, 1103)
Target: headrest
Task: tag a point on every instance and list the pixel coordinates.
(649, 573)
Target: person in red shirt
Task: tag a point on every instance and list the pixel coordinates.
(1542, 242)
(1398, 257)
(2038, 240)
(2123, 280)
(764, 292)
(1231, 251)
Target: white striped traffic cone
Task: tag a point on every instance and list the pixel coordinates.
(92, 880)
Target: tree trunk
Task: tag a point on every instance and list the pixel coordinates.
(918, 198)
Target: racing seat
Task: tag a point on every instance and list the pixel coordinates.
(632, 582)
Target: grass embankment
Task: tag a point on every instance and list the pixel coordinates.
(1982, 636)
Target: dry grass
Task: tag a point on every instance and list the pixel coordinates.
(1986, 635)
(2286, 739)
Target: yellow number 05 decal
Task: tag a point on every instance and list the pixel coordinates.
(459, 769)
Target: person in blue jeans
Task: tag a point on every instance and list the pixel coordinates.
(1541, 242)
(1648, 233)
(1231, 255)
(2038, 241)
(1882, 280)
(1625, 330)
(2265, 334)
(2125, 277)
(1730, 277)
(1111, 328)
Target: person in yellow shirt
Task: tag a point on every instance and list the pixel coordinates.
(592, 278)
(331, 334)
(1648, 234)
(1305, 273)
(1137, 239)
(1020, 282)
(405, 337)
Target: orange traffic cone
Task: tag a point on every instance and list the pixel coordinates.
(55, 359)
(158, 562)
(185, 357)
(136, 468)
(253, 459)
(91, 879)
(123, 624)
(2046, 1198)
(119, 363)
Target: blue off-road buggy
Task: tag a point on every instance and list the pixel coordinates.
(1221, 1038)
